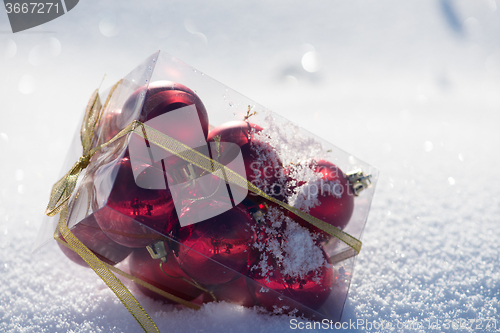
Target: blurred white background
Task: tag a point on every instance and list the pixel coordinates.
(321, 63)
(412, 87)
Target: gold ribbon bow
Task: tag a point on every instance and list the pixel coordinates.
(63, 189)
(59, 198)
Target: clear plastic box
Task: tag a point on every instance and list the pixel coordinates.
(194, 234)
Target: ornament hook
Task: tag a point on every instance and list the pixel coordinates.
(359, 181)
(158, 251)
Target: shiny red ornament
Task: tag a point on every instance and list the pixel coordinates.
(235, 292)
(258, 208)
(91, 235)
(115, 119)
(166, 96)
(335, 196)
(188, 124)
(262, 164)
(215, 250)
(311, 290)
(109, 125)
(201, 187)
(169, 277)
(132, 216)
(159, 97)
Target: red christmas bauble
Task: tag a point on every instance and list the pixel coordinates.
(200, 188)
(109, 125)
(162, 97)
(171, 279)
(266, 213)
(188, 124)
(235, 292)
(132, 216)
(116, 119)
(334, 194)
(311, 290)
(215, 250)
(262, 164)
(237, 132)
(91, 235)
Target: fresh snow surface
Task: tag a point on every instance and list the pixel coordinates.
(411, 87)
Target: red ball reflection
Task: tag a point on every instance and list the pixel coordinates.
(311, 290)
(235, 292)
(109, 125)
(262, 165)
(171, 279)
(162, 97)
(216, 250)
(91, 235)
(187, 125)
(335, 196)
(134, 216)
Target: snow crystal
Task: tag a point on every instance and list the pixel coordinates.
(302, 254)
(291, 145)
(299, 154)
(295, 249)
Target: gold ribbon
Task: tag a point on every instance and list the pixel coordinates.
(207, 164)
(63, 189)
(59, 198)
(139, 281)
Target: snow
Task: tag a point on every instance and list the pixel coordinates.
(298, 154)
(292, 247)
(308, 258)
(409, 87)
(291, 146)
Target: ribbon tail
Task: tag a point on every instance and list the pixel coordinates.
(92, 115)
(58, 197)
(59, 202)
(132, 305)
(343, 255)
(61, 191)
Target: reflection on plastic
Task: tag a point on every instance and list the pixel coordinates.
(185, 181)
